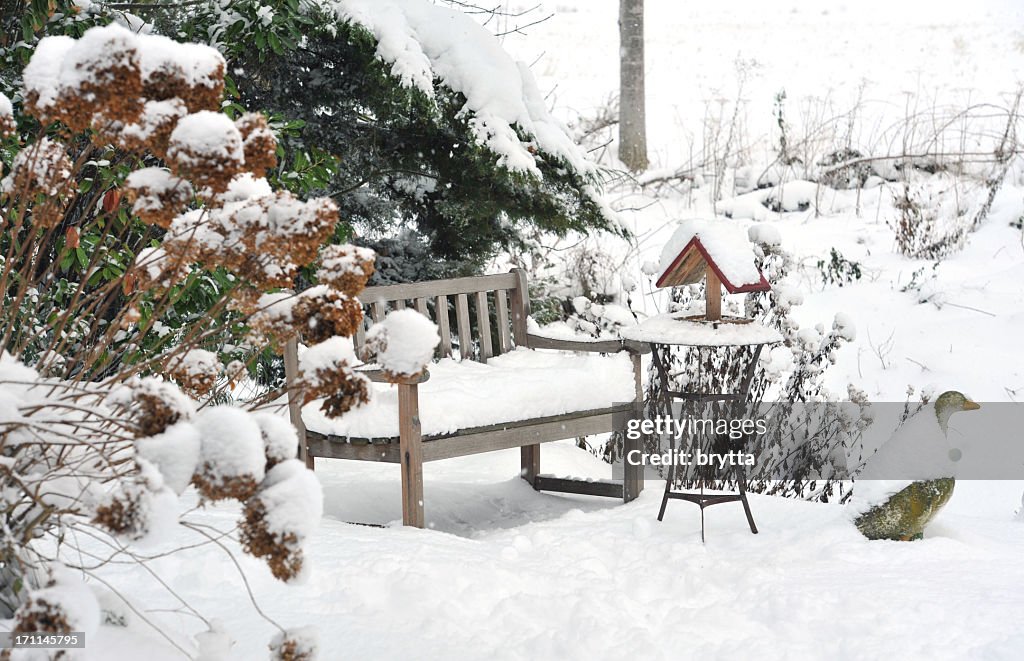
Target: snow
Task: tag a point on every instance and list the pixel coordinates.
(726, 245)
(93, 55)
(203, 135)
(514, 386)
(41, 76)
(232, 443)
(280, 439)
(404, 342)
(424, 41)
(327, 355)
(293, 499)
(243, 187)
(6, 110)
(674, 328)
(503, 571)
(174, 453)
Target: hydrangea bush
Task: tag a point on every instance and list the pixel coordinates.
(98, 444)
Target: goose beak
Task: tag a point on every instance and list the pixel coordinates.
(971, 406)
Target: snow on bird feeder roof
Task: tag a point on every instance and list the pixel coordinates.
(719, 246)
(717, 250)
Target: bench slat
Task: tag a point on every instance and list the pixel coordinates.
(520, 308)
(443, 325)
(400, 304)
(379, 311)
(470, 285)
(483, 322)
(360, 337)
(421, 307)
(465, 332)
(504, 337)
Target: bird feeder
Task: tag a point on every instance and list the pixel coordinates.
(720, 253)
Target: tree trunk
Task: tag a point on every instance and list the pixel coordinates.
(632, 121)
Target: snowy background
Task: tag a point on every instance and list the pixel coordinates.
(503, 572)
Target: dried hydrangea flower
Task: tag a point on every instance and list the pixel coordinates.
(258, 143)
(156, 195)
(346, 268)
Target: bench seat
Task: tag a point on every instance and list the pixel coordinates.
(509, 388)
(522, 384)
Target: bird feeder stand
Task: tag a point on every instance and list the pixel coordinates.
(721, 255)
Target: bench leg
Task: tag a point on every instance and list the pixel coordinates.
(633, 476)
(530, 455)
(411, 449)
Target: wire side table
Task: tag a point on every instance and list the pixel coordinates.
(670, 330)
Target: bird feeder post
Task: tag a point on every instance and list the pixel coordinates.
(712, 295)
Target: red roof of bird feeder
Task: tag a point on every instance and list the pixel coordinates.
(718, 245)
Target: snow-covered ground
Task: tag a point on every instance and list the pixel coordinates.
(826, 56)
(507, 573)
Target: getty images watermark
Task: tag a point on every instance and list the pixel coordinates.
(664, 426)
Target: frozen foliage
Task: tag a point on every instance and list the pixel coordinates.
(403, 343)
(514, 386)
(424, 41)
(725, 243)
(96, 448)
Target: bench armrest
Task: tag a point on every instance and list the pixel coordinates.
(598, 346)
(377, 376)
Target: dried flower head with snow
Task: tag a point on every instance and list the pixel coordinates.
(258, 143)
(195, 371)
(346, 268)
(403, 344)
(321, 313)
(231, 456)
(42, 169)
(299, 644)
(206, 147)
(63, 605)
(279, 517)
(327, 372)
(7, 124)
(156, 195)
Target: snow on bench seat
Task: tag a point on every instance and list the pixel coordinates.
(519, 385)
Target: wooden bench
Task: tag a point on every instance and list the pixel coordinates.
(505, 299)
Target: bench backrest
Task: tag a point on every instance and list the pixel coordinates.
(503, 297)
